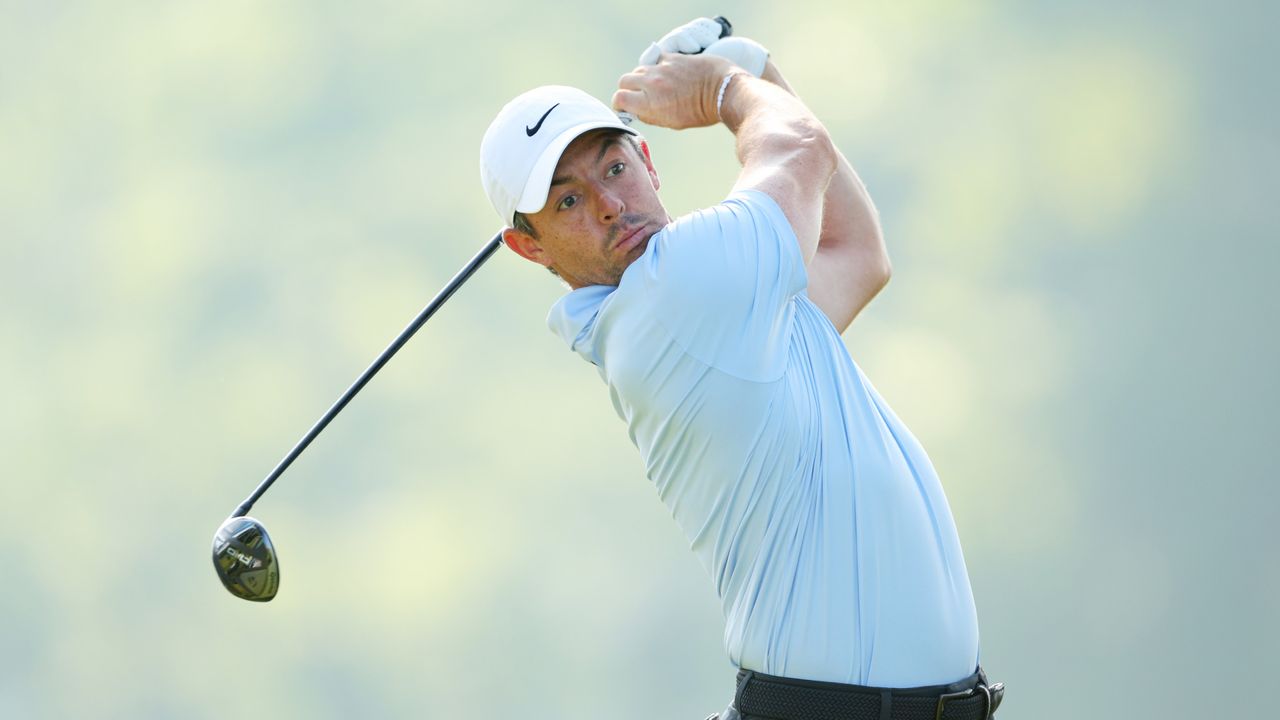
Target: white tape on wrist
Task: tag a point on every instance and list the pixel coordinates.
(724, 85)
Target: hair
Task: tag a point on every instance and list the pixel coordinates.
(521, 222)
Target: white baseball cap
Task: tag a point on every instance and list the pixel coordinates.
(523, 144)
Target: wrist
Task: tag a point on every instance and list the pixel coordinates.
(711, 81)
(723, 88)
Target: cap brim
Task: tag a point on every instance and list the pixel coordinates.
(538, 186)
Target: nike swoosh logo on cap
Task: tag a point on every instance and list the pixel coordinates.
(531, 131)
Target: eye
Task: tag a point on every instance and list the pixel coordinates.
(568, 202)
(616, 169)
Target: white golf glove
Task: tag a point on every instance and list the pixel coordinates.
(703, 35)
(743, 52)
(690, 38)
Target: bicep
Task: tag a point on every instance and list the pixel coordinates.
(843, 281)
(851, 264)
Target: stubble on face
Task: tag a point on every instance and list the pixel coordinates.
(609, 188)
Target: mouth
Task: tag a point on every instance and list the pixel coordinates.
(631, 238)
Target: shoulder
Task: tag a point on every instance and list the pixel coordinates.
(723, 246)
(742, 214)
(720, 282)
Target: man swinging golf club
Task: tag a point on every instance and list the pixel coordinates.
(818, 515)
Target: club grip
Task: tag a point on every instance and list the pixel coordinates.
(726, 27)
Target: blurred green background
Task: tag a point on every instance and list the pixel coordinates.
(214, 215)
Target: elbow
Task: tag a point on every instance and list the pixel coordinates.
(819, 147)
(884, 272)
(883, 266)
(876, 268)
(809, 146)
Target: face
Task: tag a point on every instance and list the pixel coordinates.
(602, 209)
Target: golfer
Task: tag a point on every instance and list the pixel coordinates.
(818, 515)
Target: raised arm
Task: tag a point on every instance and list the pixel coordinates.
(852, 264)
(784, 150)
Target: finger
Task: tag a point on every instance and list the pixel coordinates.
(682, 40)
(686, 43)
(650, 55)
(627, 100)
(704, 31)
(630, 81)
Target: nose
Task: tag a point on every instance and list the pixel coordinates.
(609, 206)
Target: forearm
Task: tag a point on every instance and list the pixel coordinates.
(768, 122)
(850, 222)
(775, 131)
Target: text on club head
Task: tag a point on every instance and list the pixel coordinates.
(242, 557)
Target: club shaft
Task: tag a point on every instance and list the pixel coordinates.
(466, 272)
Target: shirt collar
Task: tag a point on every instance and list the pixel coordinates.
(573, 318)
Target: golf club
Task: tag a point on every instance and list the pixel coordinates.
(243, 554)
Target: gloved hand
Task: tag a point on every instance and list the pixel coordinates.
(743, 52)
(690, 38)
(703, 34)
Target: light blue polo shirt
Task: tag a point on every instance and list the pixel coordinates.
(818, 515)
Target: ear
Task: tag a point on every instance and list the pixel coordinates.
(648, 163)
(525, 245)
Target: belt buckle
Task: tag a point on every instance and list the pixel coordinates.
(945, 698)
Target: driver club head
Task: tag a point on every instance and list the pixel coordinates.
(245, 559)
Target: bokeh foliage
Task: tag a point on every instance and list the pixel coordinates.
(213, 215)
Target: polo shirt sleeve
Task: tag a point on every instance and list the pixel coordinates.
(723, 281)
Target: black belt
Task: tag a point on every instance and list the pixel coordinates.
(776, 698)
